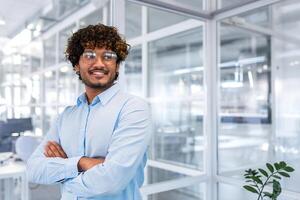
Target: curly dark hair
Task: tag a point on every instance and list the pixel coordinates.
(93, 36)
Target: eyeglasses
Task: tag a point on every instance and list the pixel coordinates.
(107, 57)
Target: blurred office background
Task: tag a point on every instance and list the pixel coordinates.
(221, 77)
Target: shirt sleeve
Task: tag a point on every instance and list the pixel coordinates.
(43, 170)
(125, 154)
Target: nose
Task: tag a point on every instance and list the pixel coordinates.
(99, 62)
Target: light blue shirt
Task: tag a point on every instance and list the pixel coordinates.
(116, 126)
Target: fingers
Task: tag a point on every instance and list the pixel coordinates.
(52, 149)
(48, 151)
(58, 149)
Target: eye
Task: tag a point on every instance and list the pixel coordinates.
(109, 55)
(89, 55)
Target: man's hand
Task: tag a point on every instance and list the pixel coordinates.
(86, 163)
(52, 149)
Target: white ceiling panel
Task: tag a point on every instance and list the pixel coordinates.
(17, 12)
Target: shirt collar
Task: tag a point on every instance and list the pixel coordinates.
(81, 99)
(103, 97)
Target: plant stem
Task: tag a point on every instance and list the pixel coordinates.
(265, 183)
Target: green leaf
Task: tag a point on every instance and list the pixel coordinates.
(284, 174)
(288, 169)
(250, 188)
(276, 188)
(263, 172)
(282, 164)
(267, 194)
(275, 176)
(277, 166)
(257, 179)
(270, 167)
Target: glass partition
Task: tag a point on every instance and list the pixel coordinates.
(232, 3)
(92, 18)
(50, 87)
(49, 46)
(133, 71)
(67, 85)
(155, 17)
(63, 36)
(133, 20)
(176, 95)
(196, 192)
(286, 73)
(245, 113)
(259, 77)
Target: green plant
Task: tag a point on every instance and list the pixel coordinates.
(258, 179)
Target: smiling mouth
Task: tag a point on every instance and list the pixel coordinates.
(98, 72)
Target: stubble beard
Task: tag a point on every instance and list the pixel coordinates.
(101, 86)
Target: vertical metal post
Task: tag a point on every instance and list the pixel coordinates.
(211, 46)
(117, 19)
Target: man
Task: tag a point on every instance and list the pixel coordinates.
(97, 148)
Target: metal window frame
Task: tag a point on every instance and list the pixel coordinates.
(211, 39)
(212, 54)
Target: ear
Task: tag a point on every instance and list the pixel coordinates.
(117, 67)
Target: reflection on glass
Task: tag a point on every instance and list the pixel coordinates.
(67, 84)
(156, 175)
(20, 111)
(158, 19)
(64, 7)
(196, 5)
(50, 51)
(245, 113)
(232, 3)
(133, 19)
(260, 17)
(34, 112)
(93, 18)
(287, 80)
(196, 192)
(248, 135)
(176, 95)
(35, 92)
(35, 63)
(133, 71)
(50, 87)
(229, 192)
(49, 117)
(63, 37)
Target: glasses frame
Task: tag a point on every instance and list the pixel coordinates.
(107, 57)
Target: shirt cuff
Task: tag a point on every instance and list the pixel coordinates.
(71, 169)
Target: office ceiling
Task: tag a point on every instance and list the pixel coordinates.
(16, 13)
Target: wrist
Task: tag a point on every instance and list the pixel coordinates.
(80, 164)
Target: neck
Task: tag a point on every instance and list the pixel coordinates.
(91, 93)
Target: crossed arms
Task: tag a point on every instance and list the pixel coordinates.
(88, 177)
(54, 150)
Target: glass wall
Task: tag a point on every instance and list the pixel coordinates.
(245, 91)
(176, 94)
(257, 73)
(165, 66)
(195, 192)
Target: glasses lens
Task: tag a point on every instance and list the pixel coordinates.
(109, 56)
(89, 55)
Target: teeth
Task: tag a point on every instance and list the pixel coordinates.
(98, 73)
